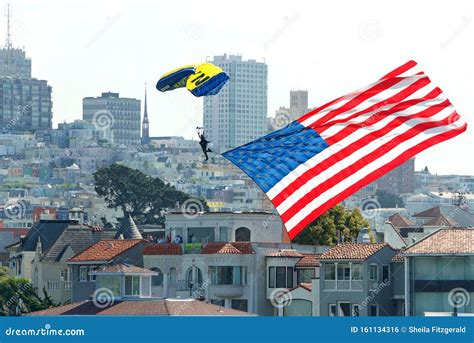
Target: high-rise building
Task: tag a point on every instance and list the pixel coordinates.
(298, 103)
(13, 61)
(120, 116)
(238, 114)
(25, 102)
(400, 180)
(145, 124)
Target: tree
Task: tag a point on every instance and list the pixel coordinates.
(389, 200)
(336, 222)
(141, 195)
(18, 297)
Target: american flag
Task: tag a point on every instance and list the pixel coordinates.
(328, 154)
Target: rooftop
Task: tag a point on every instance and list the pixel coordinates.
(163, 249)
(291, 253)
(105, 250)
(309, 260)
(445, 241)
(123, 269)
(228, 248)
(398, 220)
(157, 307)
(352, 251)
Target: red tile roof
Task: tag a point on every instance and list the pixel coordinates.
(157, 307)
(105, 250)
(352, 251)
(440, 221)
(398, 220)
(398, 257)
(445, 241)
(163, 249)
(291, 253)
(228, 248)
(309, 260)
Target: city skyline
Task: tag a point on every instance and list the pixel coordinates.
(108, 45)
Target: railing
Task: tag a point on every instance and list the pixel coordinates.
(67, 285)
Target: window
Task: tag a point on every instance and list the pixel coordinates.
(374, 311)
(271, 277)
(111, 282)
(344, 309)
(228, 275)
(355, 310)
(83, 273)
(373, 272)
(223, 234)
(330, 271)
(242, 234)
(91, 269)
(218, 302)
(356, 271)
(305, 275)
(343, 271)
(386, 274)
(280, 277)
(193, 278)
(157, 280)
(132, 285)
(239, 304)
(289, 277)
(332, 310)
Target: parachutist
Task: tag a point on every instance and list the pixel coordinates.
(203, 142)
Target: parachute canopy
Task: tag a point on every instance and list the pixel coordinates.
(201, 79)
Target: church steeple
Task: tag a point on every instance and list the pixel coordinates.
(145, 123)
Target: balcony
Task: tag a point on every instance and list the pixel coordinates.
(227, 291)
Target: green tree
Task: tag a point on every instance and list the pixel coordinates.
(336, 222)
(141, 195)
(388, 199)
(18, 297)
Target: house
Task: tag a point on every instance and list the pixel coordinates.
(100, 254)
(229, 274)
(356, 280)
(123, 289)
(290, 275)
(439, 273)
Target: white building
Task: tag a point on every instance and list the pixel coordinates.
(238, 114)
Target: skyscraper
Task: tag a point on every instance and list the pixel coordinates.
(238, 114)
(298, 103)
(118, 116)
(25, 102)
(145, 123)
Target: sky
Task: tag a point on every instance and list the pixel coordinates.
(330, 48)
